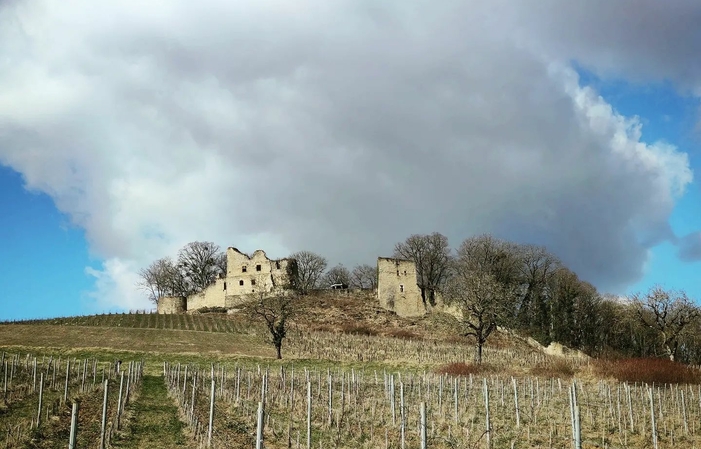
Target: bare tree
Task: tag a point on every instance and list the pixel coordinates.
(485, 303)
(499, 258)
(157, 279)
(536, 268)
(200, 264)
(364, 277)
(481, 285)
(310, 268)
(669, 313)
(221, 262)
(337, 275)
(431, 254)
(275, 311)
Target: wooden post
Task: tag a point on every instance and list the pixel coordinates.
(486, 406)
(74, 426)
(518, 414)
(259, 428)
(41, 397)
(402, 417)
(119, 401)
(104, 416)
(68, 371)
(211, 411)
(422, 427)
(34, 375)
(309, 415)
(331, 401)
(652, 419)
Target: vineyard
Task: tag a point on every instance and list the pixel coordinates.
(51, 402)
(351, 386)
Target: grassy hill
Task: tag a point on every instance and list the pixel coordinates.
(327, 328)
(364, 370)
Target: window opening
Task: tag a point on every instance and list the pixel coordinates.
(243, 269)
(258, 267)
(401, 288)
(241, 282)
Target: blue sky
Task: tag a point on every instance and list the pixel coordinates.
(43, 256)
(342, 128)
(671, 117)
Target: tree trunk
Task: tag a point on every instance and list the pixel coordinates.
(278, 349)
(479, 351)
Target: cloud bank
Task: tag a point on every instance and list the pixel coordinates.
(342, 127)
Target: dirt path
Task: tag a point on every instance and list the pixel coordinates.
(155, 423)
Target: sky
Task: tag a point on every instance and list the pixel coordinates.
(128, 129)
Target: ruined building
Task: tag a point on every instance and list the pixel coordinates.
(397, 288)
(247, 277)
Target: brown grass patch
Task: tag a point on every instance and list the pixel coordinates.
(463, 369)
(403, 334)
(358, 329)
(559, 368)
(648, 370)
(130, 339)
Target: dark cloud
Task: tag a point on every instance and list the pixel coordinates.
(339, 127)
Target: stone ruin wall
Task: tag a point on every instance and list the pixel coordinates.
(171, 304)
(397, 288)
(246, 278)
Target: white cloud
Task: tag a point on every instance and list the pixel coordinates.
(338, 127)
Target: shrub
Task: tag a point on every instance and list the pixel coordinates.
(357, 329)
(461, 369)
(558, 368)
(212, 310)
(402, 333)
(648, 370)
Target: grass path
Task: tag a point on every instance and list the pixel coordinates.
(155, 423)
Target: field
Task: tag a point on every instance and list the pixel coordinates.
(344, 382)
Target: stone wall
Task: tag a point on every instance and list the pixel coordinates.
(171, 304)
(397, 289)
(246, 278)
(247, 275)
(212, 296)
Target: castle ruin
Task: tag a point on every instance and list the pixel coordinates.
(246, 277)
(397, 287)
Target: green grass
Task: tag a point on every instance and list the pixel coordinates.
(155, 422)
(219, 323)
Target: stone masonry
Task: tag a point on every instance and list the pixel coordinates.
(246, 277)
(397, 288)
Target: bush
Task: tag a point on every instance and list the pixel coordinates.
(402, 333)
(461, 369)
(647, 370)
(358, 329)
(212, 310)
(559, 368)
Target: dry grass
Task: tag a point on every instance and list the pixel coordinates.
(130, 339)
(558, 368)
(463, 369)
(648, 370)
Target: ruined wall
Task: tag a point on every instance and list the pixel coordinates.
(212, 296)
(397, 289)
(246, 278)
(171, 304)
(248, 275)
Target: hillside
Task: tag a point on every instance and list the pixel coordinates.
(364, 372)
(323, 314)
